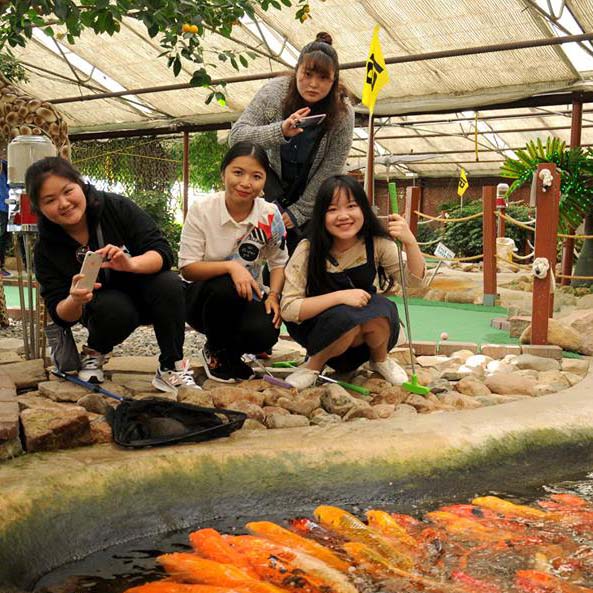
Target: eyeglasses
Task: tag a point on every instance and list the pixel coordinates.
(81, 252)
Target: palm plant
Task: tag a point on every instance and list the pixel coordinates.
(576, 187)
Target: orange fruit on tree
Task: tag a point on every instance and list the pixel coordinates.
(186, 28)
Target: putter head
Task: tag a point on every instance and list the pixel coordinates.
(414, 387)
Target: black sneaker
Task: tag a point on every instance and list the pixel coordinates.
(241, 370)
(218, 365)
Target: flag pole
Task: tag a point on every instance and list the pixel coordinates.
(369, 180)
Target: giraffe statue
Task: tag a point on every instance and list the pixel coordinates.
(24, 115)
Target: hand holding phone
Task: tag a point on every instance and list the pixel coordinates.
(90, 270)
(309, 121)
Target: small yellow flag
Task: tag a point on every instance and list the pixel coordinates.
(463, 183)
(376, 76)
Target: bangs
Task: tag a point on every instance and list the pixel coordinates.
(319, 62)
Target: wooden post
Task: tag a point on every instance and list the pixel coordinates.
(413, 197)
(576, 127)
(489, 241)
(546, 228)
(185, 172)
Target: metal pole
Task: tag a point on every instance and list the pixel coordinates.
(19, 270)
(435, 55)
(185, 172)
(369, 181)
(33, 337)
(575, 140)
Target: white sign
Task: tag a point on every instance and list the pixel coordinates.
(443, 251)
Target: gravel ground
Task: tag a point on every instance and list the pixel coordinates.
(141, 342)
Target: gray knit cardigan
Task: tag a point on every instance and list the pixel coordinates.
(261, 122)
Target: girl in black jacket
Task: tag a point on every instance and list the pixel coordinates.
(135, 285)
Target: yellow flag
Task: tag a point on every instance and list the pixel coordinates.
(376, 76)
(463, 183)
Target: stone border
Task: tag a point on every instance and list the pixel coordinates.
(61, 506)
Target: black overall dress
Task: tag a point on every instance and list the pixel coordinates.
(319, 332)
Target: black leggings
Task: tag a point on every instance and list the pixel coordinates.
(116, 311)
(230, 322)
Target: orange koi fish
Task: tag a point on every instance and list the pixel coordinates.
(565, 502)
(381, 569)
(505, 507)
(386, 525)
(173, 587)
(467, 528)
(290, 568)
(533, 581)
(353, 529)
(474, 584)
(191, 568)
(284, 537)
(312, 530)
(210, 544)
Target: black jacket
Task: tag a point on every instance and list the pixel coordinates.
(122, 223)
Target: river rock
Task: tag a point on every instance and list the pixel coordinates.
(527, 373)
(159, 395)
(579, 366)
(273, 394)
(138, 386)
(298, 405)
(61, 391)
(195, 397)
(286, 421)
(559, 335)
(510, 383)
(94, 403)
(376, 384)
(536, 363)
(421, 404)
(252, 410)
(394, 394)
(462, 355)
(499, 367)
(325, 419)
(401, 356)
(269, 410)
(32, 399)
(26, 374)
(458, 401)
(470, 386)
(251, 424)
(437, 362)
(9, 357)
(495, 399)
(573, 378)
(478, 360)
(49, 430)
(440, 386)
(585, 302)
(222, 397)
(255, 385)
(384, 411)
(404, 411)
(556, 378)
(100, 430)
(456, 375)
(336, 400)
(361, 410)
(545, 389)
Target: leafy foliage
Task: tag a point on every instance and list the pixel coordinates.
(180, 26)
(205, 156)
(466, 238)
(11, 68)
(576, 176)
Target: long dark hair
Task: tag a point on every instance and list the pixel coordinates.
(320, 239)
(246, 148)
(40, 170)
(319, 56)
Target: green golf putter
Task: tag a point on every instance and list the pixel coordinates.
(413, 386)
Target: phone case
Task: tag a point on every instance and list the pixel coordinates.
(90, 268)
(311, 120)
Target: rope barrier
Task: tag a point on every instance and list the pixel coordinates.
(523, 256)
(563, 236)
(513, 264)
(440, 219)
(428, 243)
(472, 258)
(514, 221)
(574, 277)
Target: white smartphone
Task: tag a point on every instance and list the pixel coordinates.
(311, 120)
(90, 268)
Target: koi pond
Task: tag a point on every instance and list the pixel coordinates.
(539, 540)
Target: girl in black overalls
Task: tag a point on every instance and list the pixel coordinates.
(330, 302)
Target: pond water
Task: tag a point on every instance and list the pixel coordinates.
(116, 569)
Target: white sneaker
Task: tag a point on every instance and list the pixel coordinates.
(171, 381)
(390, 371)
(91, 365)
(302, 378)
